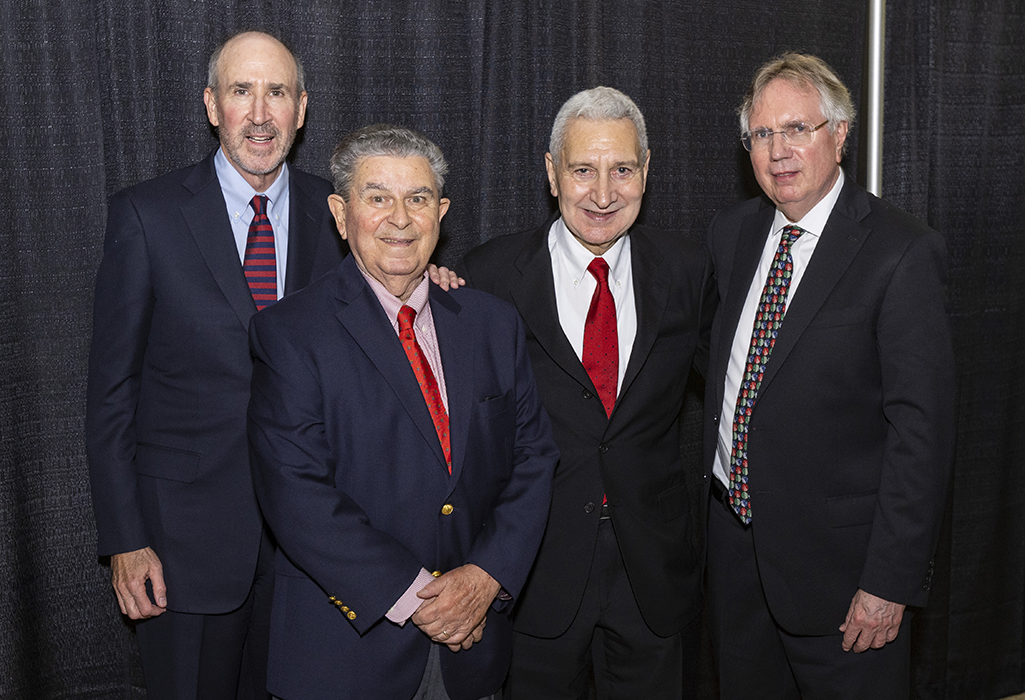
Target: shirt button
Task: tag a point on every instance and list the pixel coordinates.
(589, 508)
(447, 509)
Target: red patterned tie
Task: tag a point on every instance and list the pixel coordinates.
(425, 377)
(601, 341)
(772, 305)
(259, 263)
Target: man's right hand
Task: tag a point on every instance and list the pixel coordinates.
(129, 572)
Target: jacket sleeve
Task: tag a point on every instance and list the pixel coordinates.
(123, 308)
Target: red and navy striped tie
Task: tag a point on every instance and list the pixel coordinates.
(259, 264)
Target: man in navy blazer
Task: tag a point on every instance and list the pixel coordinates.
(169, 374)
(407, 501)
(829, 460)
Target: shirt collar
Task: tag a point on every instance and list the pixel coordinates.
(392, 304)
(238, 193)
(814, 221)
(578, 257)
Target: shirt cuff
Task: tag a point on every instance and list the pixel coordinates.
(408, 603)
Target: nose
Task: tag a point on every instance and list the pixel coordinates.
(399, 217)
(259, 113)
(779, 147)
(603, 193)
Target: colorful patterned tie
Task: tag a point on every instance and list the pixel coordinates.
(259, 264)
(601, 340)
(769, 317)
(425, 377)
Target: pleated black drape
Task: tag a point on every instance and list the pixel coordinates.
(955, 126)
(96, 95)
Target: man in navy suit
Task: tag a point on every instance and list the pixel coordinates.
(169, 374)
(401, 455)
(829, 412)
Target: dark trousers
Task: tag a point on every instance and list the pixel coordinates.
(608, 638)
(759, 659)
(211, 657)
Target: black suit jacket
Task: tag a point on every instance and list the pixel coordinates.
(169, 371)
(850, 442)
(632, 456)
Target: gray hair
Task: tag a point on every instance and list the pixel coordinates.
(599, 104)
(213, 68)
(383, 140)
(802, 70)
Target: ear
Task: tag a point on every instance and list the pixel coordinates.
(644, 170)
(841, 137)
(553, 181)
(300, 116)
(337, 206)
(443, 207)
(210, 100)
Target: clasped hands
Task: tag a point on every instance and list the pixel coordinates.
(454, 611)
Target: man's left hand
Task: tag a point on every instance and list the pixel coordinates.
(455, 604)
(443, 277)
(871, 622)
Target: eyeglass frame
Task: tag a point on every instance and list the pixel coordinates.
(745, 138)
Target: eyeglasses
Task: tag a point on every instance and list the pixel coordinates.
(796, 134)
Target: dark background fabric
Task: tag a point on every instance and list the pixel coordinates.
(97, 95)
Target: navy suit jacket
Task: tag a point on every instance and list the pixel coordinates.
(633, 456)
(352, 480)
(169, 371)
(850, 442)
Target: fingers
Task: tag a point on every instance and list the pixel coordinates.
(129, 573)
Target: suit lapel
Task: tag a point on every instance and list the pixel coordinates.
(458, 347)
(302, 233)
(651, 294)
(841, 240)
(207, 219)
(748, 251)
(364, 319)
(534, 297)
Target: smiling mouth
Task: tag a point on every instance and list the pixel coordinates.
(600, 215)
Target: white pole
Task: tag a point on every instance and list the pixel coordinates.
(873, 118)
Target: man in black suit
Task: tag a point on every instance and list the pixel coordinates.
(169, 373)
(615, 314)
(829, 412)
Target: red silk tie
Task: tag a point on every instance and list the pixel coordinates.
(425, 377)
(601, 340)
(259, 263)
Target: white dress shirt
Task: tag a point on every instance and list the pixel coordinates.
(574, 287)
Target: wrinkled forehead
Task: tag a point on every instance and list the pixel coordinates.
(785, 99)
(257, 57)
(611, 134)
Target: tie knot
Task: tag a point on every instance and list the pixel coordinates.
(600, 269)
(406, 316)
(791, 233)
(259, 204)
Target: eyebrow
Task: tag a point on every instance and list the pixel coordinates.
(633, 163)
(248, 85)
(384, 188)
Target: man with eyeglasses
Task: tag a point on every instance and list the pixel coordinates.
(830, 410)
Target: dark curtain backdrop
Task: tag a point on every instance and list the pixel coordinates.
(97, 95)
